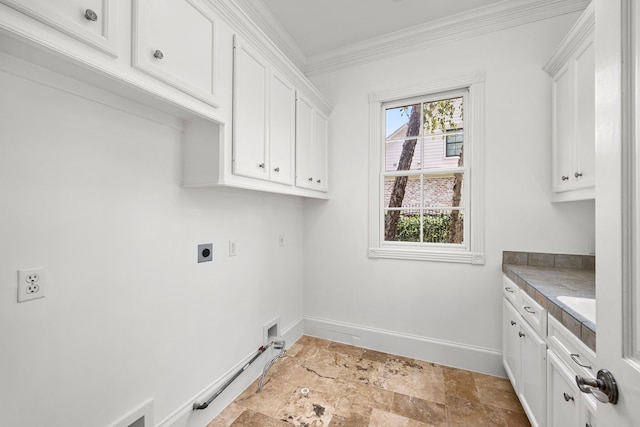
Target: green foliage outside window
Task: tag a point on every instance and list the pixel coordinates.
(436, 228)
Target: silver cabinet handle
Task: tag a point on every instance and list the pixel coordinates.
(578, 174)
(508, 289)
(261, 165)
(277, 169)
(575, 357)
(520, 334)
(319, 181)
(568, 397)
(90, 15)
(158, 54)
(310, 179)
(564, 178)
(513, 323)
(529, 309)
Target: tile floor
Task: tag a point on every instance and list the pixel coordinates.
(353, 387)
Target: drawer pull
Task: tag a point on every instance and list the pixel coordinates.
(529, 309)
(158, 54)
(575, 357)
(520, 334)
(568, 398)
(508, 289)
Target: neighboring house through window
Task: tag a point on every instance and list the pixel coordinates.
(427, 177)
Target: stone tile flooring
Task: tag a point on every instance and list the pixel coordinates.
(353, 387)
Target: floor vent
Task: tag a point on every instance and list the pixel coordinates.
(142, 416)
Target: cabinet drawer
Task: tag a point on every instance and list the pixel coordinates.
(533, 313)
(571, 350)
(510, 291)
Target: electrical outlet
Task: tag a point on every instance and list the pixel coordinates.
(233, 248)
(31, 284)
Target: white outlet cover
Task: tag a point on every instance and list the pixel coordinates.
(32, 284)
(233, 248)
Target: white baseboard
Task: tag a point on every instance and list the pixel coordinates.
(472, 358)
(185, 416)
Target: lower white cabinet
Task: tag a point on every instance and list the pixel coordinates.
(542, 358)
(524, 359)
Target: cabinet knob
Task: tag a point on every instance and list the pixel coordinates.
(90, 15)
(319, 181)
(568, 397)
(520, 334)
(564, 178)
(513, 323)
(310, 179)
(276, 169)
(158, 54)
(261, 165)
(577, 174)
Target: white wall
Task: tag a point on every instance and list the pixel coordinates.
(91, 193)
(351, 297)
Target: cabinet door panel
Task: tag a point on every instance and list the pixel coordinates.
(533, 378)
(563, 394)
(185, 37)
(511, 343)
(585, 111)
(68, 16)
(320, 142)
(304, 144)
(249, 113)
(282, 118)
(563, 130)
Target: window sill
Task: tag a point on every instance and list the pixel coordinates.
(460, 257)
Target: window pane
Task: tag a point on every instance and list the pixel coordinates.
(443, 226)
(443, 132)
(402, 226)
(402, 192)
(402, 151)
(443, 190)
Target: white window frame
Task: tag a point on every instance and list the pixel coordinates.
(472, 250)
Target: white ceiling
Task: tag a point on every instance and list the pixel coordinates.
(318, 26)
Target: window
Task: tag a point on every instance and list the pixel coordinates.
(427, 172)
(454, 143)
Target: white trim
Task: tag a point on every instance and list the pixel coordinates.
(484, 20)
(186, 416)
(463, 356)
(473, 252)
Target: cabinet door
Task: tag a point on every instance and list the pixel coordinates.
(251, 73)
(563, 134)
(91, 21)
(174, 41)
(511, 343)
(282, 129)
(585, 106)
(304, 143)
(533, 376)
(320, 146)
(563, 408)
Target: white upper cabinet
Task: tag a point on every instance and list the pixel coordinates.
(572, 69)
(311, 146)
(264, 118)
(93, 22)
(175, 42)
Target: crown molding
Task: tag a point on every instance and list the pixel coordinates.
(495, 17)
(581, 32)
(264, 19)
